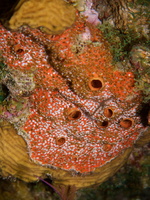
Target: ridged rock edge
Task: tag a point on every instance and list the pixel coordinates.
(15, 161)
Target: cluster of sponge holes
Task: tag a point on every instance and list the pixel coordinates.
(71, 114)
(95, 84)
(125, 123)
(108, 113)
(74, 113)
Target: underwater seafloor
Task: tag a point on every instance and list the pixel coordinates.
(131, 182)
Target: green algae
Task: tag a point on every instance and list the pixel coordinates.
(142, 2)
(120, 41)
(3, 88)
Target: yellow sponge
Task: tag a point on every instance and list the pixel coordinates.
(54, 16)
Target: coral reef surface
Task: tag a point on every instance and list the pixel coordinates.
(75, 109)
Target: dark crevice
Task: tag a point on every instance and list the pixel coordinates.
(143, 112)
(4, 92)
(7, 9)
